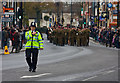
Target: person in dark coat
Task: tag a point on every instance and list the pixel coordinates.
(16, 42)
(5, 37)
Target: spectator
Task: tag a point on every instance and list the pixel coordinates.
(16, 42)
(108, 36)
(5, 36)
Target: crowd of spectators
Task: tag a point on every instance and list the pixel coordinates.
(106, 36)
(13, 36)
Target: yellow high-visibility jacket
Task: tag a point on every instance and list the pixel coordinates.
(33, 42)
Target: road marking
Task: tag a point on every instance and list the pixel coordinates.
(69, 78)
(89, 78)
(35, 76)
(107, 72)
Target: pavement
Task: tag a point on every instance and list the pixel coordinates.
(10, 49)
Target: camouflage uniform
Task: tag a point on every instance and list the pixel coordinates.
(78, 37)
(50, 36)
(66, 36)
(72, 37)
(87, 36)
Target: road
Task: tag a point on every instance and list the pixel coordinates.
(64, 63)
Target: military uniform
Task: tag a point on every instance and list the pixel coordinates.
(78, 37)
(72, 37)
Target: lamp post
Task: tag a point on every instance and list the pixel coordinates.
(21, 15)
(98, 13)
(107, 15)
(71, 15)
(58, 17)
(14, 14)
(118, 16)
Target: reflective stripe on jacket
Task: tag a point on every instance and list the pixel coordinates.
(36, 42)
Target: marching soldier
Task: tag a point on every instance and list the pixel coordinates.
(87, 36)
(78, 37)
(72, 37)
(66, 36)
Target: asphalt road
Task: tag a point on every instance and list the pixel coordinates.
(64, 63)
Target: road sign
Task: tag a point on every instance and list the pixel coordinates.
(9, 13)
(0, 27)
(4, 3)
(6, 15)
(92, 17)
(82, 12)
(104, 14)
(7, 9)
(114, 17)
(114, 11)
(109, 5)
(7, 19)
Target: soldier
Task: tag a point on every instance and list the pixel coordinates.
(87, 36)
(66, 35)
(69, 31)
(78, 37)
(59, 37)
(84, 37)
(63, 37)
(72, 37)
(50, 35)
(53, 36)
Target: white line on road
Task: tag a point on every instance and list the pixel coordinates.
(35, 76)
(107, 72)
(69, 78)
(89, 78)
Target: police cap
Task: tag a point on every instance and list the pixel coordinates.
(33, 24)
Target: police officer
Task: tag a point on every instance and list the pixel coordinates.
(34, 43)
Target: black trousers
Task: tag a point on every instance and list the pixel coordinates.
(32, 62)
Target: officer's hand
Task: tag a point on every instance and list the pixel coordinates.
(34, 33)
(41, 48)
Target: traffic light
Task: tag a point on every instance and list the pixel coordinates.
(20, 14)
(84, 21)
(105, 15)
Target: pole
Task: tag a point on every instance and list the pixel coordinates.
(71, 15)
(98, 13)
(118, 22)
(58, 18)
(9, 15)
(1, 11)
(88, 13)
(21, 18)
(107, 14)
(62, 16)
(14, 14)
(83, 15)
(94, 12)
(24, 13)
